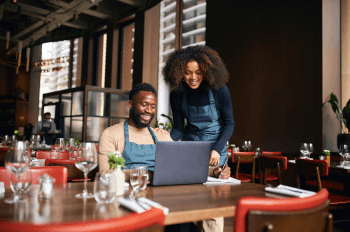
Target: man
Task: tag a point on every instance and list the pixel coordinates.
(43, 127)
(135, 140)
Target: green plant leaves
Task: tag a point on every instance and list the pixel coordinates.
(115, 161)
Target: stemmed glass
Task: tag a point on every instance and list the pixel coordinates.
(85, 161)
(311, 149)
(59, 145)
(343, 151)
(245, 145)
(249, 145)
(6, 140)
(70, 146)
(17, 160)
(304, 149)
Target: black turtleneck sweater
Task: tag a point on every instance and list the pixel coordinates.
(200, 97)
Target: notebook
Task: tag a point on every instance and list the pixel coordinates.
(181, 162)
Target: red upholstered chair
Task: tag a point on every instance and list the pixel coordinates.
(278, 163)
(150, 220)
(59, 173)
(268, 153)
(287, 214)
(244, 157)
(46, 155)
(318, 168)
(74, 174)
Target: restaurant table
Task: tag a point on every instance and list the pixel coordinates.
(186, 203)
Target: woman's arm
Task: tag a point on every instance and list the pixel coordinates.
(226, 118)
(176, 107)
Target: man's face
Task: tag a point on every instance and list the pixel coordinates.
(47, 116)
(143, 108)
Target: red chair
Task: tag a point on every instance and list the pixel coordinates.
(46, 155)
(278, 163)
(244, 157)
(287, 214)
(318, 168)
(74, 174)
(150, 220)
(59, 173)
(268, 153)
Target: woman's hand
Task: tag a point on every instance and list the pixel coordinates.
(225, 174)
(161, 131)
(214, 158)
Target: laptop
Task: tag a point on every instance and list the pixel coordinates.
(181, 162)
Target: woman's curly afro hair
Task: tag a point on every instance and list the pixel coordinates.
(214, 71)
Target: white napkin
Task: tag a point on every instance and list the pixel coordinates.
(141, 204)
(291, 161)
(345, 167)
(2, 187)
(230, 180)
(290, 191)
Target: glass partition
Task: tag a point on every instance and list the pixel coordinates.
(104, 107)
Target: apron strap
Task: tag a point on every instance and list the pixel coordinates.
(126, 131)
(184, 102)
(154, 137)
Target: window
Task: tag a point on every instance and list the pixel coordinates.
(182, 24)
(101, 59)
(126, 56)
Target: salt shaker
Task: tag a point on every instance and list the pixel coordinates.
(46, 183)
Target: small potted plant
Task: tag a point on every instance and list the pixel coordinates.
(327, 155)
(116, 161)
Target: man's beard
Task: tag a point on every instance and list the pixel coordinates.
(137, 118)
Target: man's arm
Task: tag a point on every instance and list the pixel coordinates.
(36, 129)
(106, 144)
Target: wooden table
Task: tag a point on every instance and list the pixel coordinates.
(186, 203)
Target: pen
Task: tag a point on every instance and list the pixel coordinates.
(223, 167)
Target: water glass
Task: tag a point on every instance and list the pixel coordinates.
(70, 146)
(245, 145)
(104, 189)
(343, 151)
(6, 140)
(139, 177)
(23, 183)
(304, 150)
(54, 154)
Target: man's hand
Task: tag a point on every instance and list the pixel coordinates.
(225, 174)
(214, 158)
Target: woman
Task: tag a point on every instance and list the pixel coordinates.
(197, 76)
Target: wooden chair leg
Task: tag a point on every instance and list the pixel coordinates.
(319, 184)
(253, 170)
(279, 173)
(237, 168)
(265, 173)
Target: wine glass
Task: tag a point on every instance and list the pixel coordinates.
(85, 161)
(343, 150)
(249, 145)
(104, 189)
(59, 145)
(245, 145)
(23, 183)
(70, 146)
(311, 149)
(304, 149)
(6, 140)
(17, 160)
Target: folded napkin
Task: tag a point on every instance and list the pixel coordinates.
(290, 191)
(2, 187)
(141, 204)
(345, 167)
(230, 180)
(291, 161)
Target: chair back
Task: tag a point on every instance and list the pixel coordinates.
(308, 214)
(150, 220)
(268, 153)
(316, 168)
(278, 163)
(244, 157)
(59, 173)
(46, 155)
(74, 174)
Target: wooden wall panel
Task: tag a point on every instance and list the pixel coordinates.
(273, 51)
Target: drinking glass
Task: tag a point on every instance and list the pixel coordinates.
(6, 140)
(343, 150)
(249, 145)
(304, 149)
(70, 146)
(85, 161)
(59, 145)
(311, 149)
(23, 183)
(245, 145)
(13, 138)
(104, 190)
(17, 160)
(139, 177)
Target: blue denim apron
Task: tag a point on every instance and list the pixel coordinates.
(203, 123)
(46, 136)
(139, 154)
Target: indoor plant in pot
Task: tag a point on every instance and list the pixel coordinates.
(343, 115)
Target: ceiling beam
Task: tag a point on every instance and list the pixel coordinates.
(97, 14)
(137, 3)
(78, 26)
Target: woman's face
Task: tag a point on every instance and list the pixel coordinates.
(193, 75)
